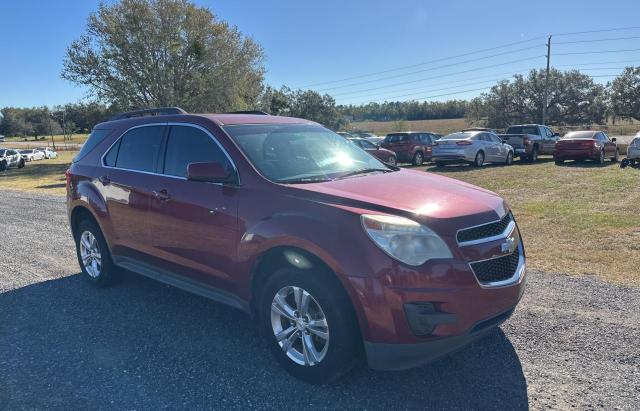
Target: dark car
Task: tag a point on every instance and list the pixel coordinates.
(336, 255)
(410, 147)
(586, 145)
(380, 153)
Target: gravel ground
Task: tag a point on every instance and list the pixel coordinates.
(572, 343)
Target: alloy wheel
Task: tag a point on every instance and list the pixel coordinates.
(90, 254)
(300, 326)
(392, 160)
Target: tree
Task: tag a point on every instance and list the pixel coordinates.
(624, 93)
(146, 53)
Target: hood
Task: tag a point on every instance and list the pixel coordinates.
(414, 192)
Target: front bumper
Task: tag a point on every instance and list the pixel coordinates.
(381, 356)
(412, 315)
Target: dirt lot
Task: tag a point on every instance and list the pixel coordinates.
(572, 343)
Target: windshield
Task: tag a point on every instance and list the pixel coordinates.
(579, 134)
(294, 153)
(2, 152)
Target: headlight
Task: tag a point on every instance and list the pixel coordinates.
(404, 239)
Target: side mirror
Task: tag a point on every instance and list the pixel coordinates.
(614, 139)
(212, 172)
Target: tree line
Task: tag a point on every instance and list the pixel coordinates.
(154, 53)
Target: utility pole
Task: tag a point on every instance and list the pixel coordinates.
(546, 83)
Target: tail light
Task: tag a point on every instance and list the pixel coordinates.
(67, 176)
(463, 143)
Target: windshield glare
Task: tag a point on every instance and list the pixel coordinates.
(579, 134)
(300, 153)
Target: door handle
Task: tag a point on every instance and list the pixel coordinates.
(104, 180)
(161, 195)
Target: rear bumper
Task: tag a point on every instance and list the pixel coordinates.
(452, 158)
(633, 154)
(381, 356)
(576, 154)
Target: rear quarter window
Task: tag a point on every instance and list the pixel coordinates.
(96, 137)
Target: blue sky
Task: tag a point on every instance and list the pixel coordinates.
(308, 42)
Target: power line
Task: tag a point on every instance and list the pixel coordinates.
(423, 63)
(596, 31)
(437, 89)
(428, 69)
(446, 94)
(596, 40)
(508, 73)
(595, 52)
(636, 61)
(439, 76)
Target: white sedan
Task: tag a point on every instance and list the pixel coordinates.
(31, 155)
(48, 153)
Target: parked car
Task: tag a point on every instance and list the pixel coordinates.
(472, 147)
(48, 153)
(1, 138)
(531, 140)
(10, 158)
(380, 153)
(365, 134)
(586, 145)
(410, 147)
(346, 134)
(633, 152)
(337, 255)
(31, 155)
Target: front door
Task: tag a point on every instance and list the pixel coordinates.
(193, 224)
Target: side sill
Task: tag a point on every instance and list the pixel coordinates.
(182, 282)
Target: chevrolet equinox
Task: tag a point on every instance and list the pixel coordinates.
(337, 256)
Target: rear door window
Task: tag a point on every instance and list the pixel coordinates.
(139, 148)
(191, 145)
(395, 138)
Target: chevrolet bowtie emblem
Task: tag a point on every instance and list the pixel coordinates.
(509, 246)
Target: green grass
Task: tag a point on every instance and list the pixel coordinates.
(579, 218)
(41, 176)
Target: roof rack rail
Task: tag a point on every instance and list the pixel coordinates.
(259, 112)
(159, 111)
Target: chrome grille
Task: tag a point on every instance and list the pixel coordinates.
(496, 269)
(484, 231)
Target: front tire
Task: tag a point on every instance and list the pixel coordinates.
(3, 166)
(392, 160)
(309, 325)
(94, 256)
(509, 160)
(21, 164)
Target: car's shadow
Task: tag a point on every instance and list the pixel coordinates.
(587, 164)
(459, 168)
(67, 344)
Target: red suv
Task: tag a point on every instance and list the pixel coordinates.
(410, 147)
(337, 256)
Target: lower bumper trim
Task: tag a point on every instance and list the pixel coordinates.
(393, 357)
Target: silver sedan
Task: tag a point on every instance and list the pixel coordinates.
(472, 147)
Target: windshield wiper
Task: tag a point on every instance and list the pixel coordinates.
(365, 171)
(304, 180)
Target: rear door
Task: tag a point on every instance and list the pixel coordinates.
(193, 224)
(500, 150)
(610, 146)
(128, 167)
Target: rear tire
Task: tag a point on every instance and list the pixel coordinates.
(94, 256)
(21, 163)
(479, 161)
(307, 357)
(600, 158)
(632, 162)
(440, 164)
(418, 158)
(559, 161)
(3, 166)
(615, 158)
